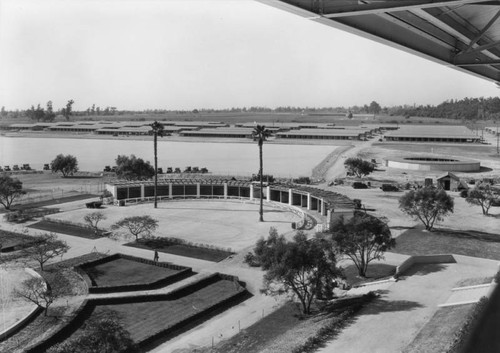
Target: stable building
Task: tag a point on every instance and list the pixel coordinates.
(433, 133)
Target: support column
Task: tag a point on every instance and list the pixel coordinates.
(170, 190)
(328, 218)
(198, 193)
(290, 197)
(142, 191)
(225, 191)
(308, 206)
(268, 193)
(251, 192)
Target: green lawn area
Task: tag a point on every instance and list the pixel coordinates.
(375, 272)
(11, 241)
(65, 228)
(143, 318)
(439, 332)
(186, 250)
(123, 272)
(443, 241)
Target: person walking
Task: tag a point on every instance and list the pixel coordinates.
(157, 257)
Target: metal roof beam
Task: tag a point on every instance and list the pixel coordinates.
(390, 6)
(483, 31)
(484, 47)
(476, 63)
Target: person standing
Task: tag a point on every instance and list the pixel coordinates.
(156, 257)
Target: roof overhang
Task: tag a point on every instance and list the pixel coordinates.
(463, 34)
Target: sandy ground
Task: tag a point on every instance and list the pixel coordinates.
(12, 309)
(226, 224)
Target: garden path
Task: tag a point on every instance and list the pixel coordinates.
(404, 307)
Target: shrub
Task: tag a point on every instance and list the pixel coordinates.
(251, 260)
(464, 193)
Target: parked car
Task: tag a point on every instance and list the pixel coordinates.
(169, 170)
(107, 168)
(26, 167)
(94, 204)
(15, 167)
(359, 185)
(46, 167)
(6, 168)
(389, 187)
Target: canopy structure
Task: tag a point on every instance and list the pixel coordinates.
(464, 34)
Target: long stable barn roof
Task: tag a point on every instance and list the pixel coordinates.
(444, 131)
(464, 34)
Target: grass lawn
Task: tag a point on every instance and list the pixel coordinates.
(11, 241)
(186, 250)
(65, 228)
(439, 332)
(54, 201)
(145, 318)
(123, 271)
(443, 241)
(375, 272)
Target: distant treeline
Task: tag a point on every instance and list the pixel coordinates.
(463, 109)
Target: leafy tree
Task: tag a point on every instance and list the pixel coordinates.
(93, 219)
(3, 112)
(300, 267)
(44, 248)
(138, 226)
(363, 238)
(260, 134)
(133, 168)
(157, 129)
(374, 108)
(103, 335)
(359, 167)
(427, 204)
(482, 195)
(67, 165)
(10, 189)
(68, 111)
(49, 113)
(36, 290)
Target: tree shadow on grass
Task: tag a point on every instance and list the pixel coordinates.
(383, 305)
(469, 234)
(424, 269)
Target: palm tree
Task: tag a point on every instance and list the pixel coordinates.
(260, 134)
(156, 130)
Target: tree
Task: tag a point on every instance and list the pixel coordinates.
(133, 168)
(359, 167)
(49, 114)
(36, 290)
(102, 334)
(44, 248)
(363, 238)
(157, 129)
(482, 195)
(300, 267)
(67, 165)
(374, 108)
(93, 219)
(260, 134)
(138, 226)
(68, 111)
(10, 189)
(427, 204)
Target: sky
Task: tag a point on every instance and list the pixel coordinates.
(187, 54)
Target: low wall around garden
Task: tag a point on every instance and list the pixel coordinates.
(423, 259)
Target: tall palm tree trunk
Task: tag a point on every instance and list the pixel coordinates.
(156, 168)
(261, 210)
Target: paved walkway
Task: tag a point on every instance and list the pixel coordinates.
(404, 307)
